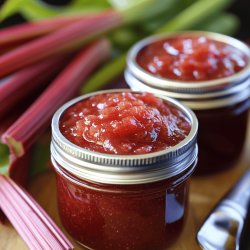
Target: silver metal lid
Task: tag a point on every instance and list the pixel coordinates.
(200, 91)
(123, 169)
(199, 101)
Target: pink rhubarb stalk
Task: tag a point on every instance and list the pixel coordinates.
(30, 220)
(23, 133)
(71, 37)
(15, 35)
(9, 47)
(21, 84)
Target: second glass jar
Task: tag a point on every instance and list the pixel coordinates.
(221, 104)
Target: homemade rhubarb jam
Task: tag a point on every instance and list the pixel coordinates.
(123, 161)
(124, 123)
(191, 58)
(208, 72)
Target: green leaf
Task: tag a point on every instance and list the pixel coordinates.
(35, 9)
(82, 3)
(4, 159)
(10, 7)
(38, 10)
(121, 4)
(149, 26)
(142, 10)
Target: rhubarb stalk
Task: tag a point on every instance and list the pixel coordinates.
(8, 47)
(29, 219)
(194, 14)
(67, 39)
(78, 33)
(15, 35)
(21, 84)
(23, 133)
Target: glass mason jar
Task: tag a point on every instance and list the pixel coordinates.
(221, 105)
(120, 202)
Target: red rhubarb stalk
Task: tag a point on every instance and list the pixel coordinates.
(23, 133)
(8, 47)
(15, 35)
(69, 38)
(21, 84)
(17, 221)
(29, 219)
(2, 217)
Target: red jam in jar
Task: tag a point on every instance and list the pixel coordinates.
(123, 197)
(191, 58)
(222, 134)
(208, 72)
(124, 123)
(135, 217)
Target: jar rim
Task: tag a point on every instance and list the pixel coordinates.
(108, 168)
(210, 100)
(103, 186)
(188, 86)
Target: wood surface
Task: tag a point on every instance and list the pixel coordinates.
(205, 192)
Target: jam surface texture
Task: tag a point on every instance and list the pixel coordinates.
(191, 59)
(124, 123)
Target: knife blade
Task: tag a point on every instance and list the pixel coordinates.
(223, 227)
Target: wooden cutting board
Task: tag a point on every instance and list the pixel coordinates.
(205, 192)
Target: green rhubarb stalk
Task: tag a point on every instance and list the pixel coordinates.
(141, 10)
(153, 24)
(225, 23)
(36, 10)
(194, 14)
(103, 76)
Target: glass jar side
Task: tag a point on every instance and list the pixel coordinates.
(221, 136)
(142, 216)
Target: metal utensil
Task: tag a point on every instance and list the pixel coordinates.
(222, 229)
(244, 238)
